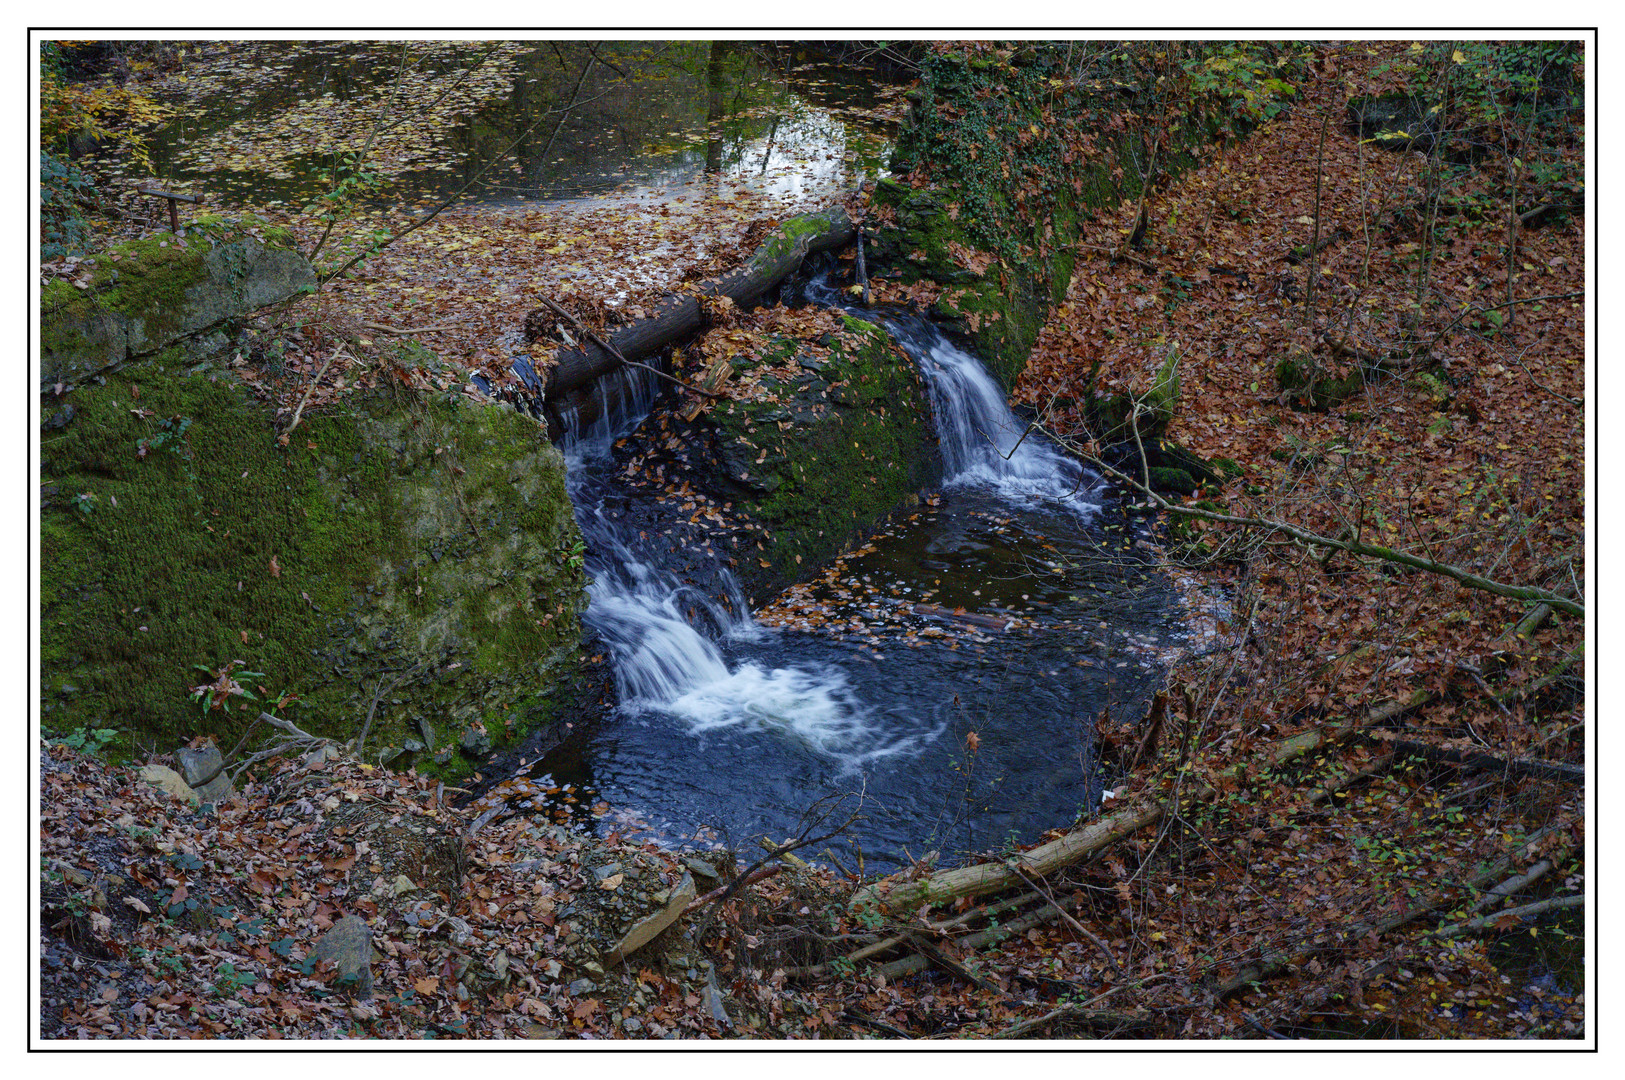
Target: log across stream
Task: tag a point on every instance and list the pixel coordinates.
(962, 734)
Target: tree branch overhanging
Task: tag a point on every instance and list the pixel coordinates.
(1526, 593)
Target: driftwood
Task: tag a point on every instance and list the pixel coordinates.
(680, 315)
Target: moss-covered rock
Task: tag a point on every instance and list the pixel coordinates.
(414, 549)
(824, 456)
(1306, 382)
(139, 297)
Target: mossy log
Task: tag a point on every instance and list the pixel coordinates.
(680, 315)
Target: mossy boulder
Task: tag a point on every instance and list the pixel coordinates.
(824, 456)
(1305, 382)
(412, 549)
(137, 298)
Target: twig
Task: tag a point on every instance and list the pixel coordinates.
(1271, 1032)
(852, 1016)
(1314, 245)
(760, 874)
(291, 729)
(385, 328)
(820, 812)
(1355, 547)
(1094, 939)
(312, 388)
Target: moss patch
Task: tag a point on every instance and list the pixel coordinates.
(997, 188)
(139, 297)
(843, 439)
(416, 542)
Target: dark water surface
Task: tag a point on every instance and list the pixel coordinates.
(961, 736)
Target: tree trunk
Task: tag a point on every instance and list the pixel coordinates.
(680, 315)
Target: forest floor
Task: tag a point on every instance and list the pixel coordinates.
(1276, 889)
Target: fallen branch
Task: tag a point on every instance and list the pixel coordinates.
(311, 389)
(937, 957)
(588, 332)
(852, 1016)
(680, 315)
(1542, 770)
(993, 935)
(1043, 860)
(385, 328)
(1527, 593)
(1137, 1018)
(1273, 963)
(1490, 922)
(761, 873)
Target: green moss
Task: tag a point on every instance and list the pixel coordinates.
(853, 443)
(1298, 374)
(405, 540)
(992, 153)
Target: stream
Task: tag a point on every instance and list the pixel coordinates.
(959, 737)
(960, 740)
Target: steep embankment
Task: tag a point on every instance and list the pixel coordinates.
(401, 552)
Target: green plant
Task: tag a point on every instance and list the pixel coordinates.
(62, 188)
(228, 979)
(1246, 81)
(86, 740)
(216, 694)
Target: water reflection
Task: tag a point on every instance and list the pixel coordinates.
(559, 120)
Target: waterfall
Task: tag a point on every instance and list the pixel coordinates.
(670, 640)
(983, 444)
(666, 637)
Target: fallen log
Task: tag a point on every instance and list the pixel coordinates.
(681, 314)
(983, 878)
(1471, 759)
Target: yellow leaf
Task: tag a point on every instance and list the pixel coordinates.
(1457, 57)
(558, 249)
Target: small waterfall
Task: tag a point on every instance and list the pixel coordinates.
(667, 637)
(670, 639)
(983, 444)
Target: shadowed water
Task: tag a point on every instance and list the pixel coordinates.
(960, 739)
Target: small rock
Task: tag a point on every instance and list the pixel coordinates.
(348, 945)
(169, 780)
(196, 764)
(476, 742)
(402, 884)
(582, 986)
(632, 1025)
(712, 997)
(323, 753)
(704, 873)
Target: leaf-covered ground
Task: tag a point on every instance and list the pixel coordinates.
(1294, 877)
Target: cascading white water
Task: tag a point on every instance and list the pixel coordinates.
(983, 444)
(667, 638)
